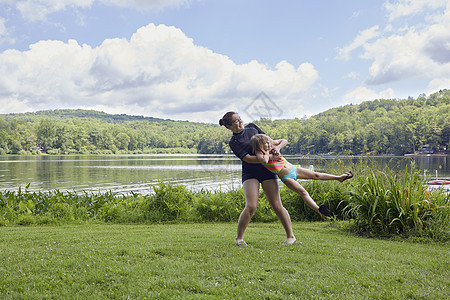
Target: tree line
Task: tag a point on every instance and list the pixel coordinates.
(91, 132)
(380, 126)
(383, 126)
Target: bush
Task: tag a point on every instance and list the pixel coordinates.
(219, 207)
(170, 203)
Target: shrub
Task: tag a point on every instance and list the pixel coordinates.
(219, 207)
(170, 203)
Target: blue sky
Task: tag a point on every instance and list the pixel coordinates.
(195, 60)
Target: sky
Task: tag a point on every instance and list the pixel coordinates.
(195, 60)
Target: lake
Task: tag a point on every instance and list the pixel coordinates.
(138, 173)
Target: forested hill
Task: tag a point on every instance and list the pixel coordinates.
(380, 126)
(89, 115)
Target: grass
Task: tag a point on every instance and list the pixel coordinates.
(201, 261)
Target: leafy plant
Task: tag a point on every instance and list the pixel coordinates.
(383, 202)
(170, 203)
(219, 207)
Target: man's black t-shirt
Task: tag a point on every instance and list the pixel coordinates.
(241, 145)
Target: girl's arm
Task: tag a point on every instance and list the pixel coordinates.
(278, 144)
(262, 157)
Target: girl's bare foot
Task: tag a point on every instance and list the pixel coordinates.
(345, 176)
(323, 210)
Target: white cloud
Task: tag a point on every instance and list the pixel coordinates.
(38, 10)
(402, 8)
(353, 75)
(146, 4)
(361, 94)
(5, 32)
(415, 53)
(361, 39)
(33, 10)
(356, 14)
(422, 50)
(10, 104)
(158, 72)
(438, 84)
(395, 58)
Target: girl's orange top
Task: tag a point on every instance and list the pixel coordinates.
(275, 166)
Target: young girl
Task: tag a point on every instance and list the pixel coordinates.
(254, 176)
(274, 162)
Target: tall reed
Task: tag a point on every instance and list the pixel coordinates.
(384, 202)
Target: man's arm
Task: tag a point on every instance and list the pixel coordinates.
(251, 159)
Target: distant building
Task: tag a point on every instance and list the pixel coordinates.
(427, 149)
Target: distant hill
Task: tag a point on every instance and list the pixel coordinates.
(383, 126)
(77, 131)
(65, 114)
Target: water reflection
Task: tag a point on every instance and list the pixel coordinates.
(118, 173)
(138, 173)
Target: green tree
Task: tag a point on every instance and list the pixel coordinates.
(122, 141)
(46, 134)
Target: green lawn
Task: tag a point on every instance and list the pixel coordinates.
(201, 261)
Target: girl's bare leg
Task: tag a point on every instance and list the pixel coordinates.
(299, 189)
(272, 192)
(251, 193)
(303, 173)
